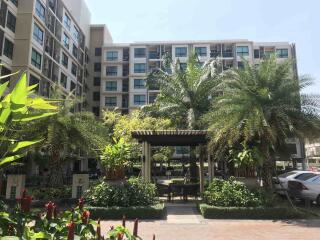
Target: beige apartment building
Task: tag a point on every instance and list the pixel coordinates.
(49, 40)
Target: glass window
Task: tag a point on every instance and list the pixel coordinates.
(34, 81)
(96, 96)
(111, 86)
(305, 176)
(240, 65)
(112, 56)
(152, 98)
(111, 101)
(40, 10)
(139, 68)
(11, 22)
(76, 33)
(181, 51)
(67, 21)
(242, 51)
(37, 33)
(8, 48)
(96, 111)
(36, 59)
(111, 70)
(64, 60)
(97, 67)
(97, 52)
(139, 52)
(181, 150)
(97, 81)
(15, 2)
(66, 40)
(75, 51)
(139, 84)
(74, 69)
(183, 66)
(256, 53)
(63, 80)
(201, 51)
(73, 86)
(282, 53)
(139, 99)
(4, 72)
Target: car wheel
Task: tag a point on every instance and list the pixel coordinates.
(318, 200)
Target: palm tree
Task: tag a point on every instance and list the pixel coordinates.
(185, 93)
(262, 106)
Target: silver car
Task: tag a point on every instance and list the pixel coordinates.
(281, 183)
(306, 187)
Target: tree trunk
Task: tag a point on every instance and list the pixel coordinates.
(193, 165)
(56, 175)
(267, 168)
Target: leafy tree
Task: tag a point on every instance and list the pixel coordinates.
(262, 106)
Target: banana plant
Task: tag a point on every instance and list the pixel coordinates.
(18, 106)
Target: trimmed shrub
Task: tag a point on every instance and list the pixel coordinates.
(135, 192)
(212, 212)
(230, 193)
(50, 193)
(146, 212)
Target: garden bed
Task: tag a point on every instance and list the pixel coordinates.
(141, 212)
(213, 212)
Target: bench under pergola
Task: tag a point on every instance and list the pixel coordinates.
(193, 138)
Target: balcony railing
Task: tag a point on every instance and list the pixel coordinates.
(227, 54)
(154, 55)
(215, 54)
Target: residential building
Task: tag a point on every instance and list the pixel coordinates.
(49, 40)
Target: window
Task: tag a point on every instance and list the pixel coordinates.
(111, 101)
(152, 98)
(96, 96)
(75, 51)
(63, 80)
(74, 69)
(183, 66)
(111, 71)
(139, 68)
(97, 67)
(66, 40)
(33, 81)
(242, 51)
(111, 86)
(67, 22)
(11, 22)
(97, 52)
(240, 65)
(36, 59)
(256, 53)
(139, 52)
(15, 2)
(4, 72)
(112, 56)
(40, 10)
(73, 86)
(305, 176)
(96, 111)
(96, 81)
(139, 84)
(201, 51)
(76, 33)
(139, 99)
(37, 33)
(8, 48)
(282, 53)
(64, 60)
(181, 51)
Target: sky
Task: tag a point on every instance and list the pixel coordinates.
(294, 21)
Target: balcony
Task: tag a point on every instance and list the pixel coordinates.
(215, 54)
(227, 54)
(154, 55)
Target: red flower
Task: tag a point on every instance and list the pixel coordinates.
(135, 228)
(98, 230)
(71, 227)
(120, 236)
(81, 203)
(85, 217)
(50, 206)
(25, 202)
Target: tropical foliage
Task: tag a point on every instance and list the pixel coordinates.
(262, 106)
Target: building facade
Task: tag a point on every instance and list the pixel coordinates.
(49, 40)
(124, 67)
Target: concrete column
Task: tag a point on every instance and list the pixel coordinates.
(80, 183)
(210, 168)
(148, 162)
(15, 186)
(201, 170)
(143, 160)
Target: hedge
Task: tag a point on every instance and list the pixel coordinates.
(213, 212)
(142, 212)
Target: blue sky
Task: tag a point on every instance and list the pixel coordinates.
(295, 21)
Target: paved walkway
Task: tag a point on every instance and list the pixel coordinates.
(184, 223)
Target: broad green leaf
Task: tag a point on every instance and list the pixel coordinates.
(4, 115)
(19, 95)
(40, 103)
(31, 116)
(10, 159)
(30, 88)
(17, 146)
(3, 88)
(9, 238)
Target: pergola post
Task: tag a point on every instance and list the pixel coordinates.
(148, 163)
(143, 161)
(201, 169)
(210, 167)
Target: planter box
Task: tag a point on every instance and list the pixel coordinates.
(142, 212)
(213, 212)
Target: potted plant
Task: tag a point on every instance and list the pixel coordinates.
(115, 157)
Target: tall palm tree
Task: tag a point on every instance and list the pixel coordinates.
(185, 92)
(262, 106)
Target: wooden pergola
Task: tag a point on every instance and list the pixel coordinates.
(149, 138)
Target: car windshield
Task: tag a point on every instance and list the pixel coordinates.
(305, 176)
(287, 174)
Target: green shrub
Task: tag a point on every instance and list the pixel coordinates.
(230, 193)
(213, 212)
(50, 193)
(143, 212)
(135, 192)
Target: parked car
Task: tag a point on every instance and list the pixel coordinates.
(282, 186)
(306, 187)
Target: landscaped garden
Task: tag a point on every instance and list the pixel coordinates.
(246, 114)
